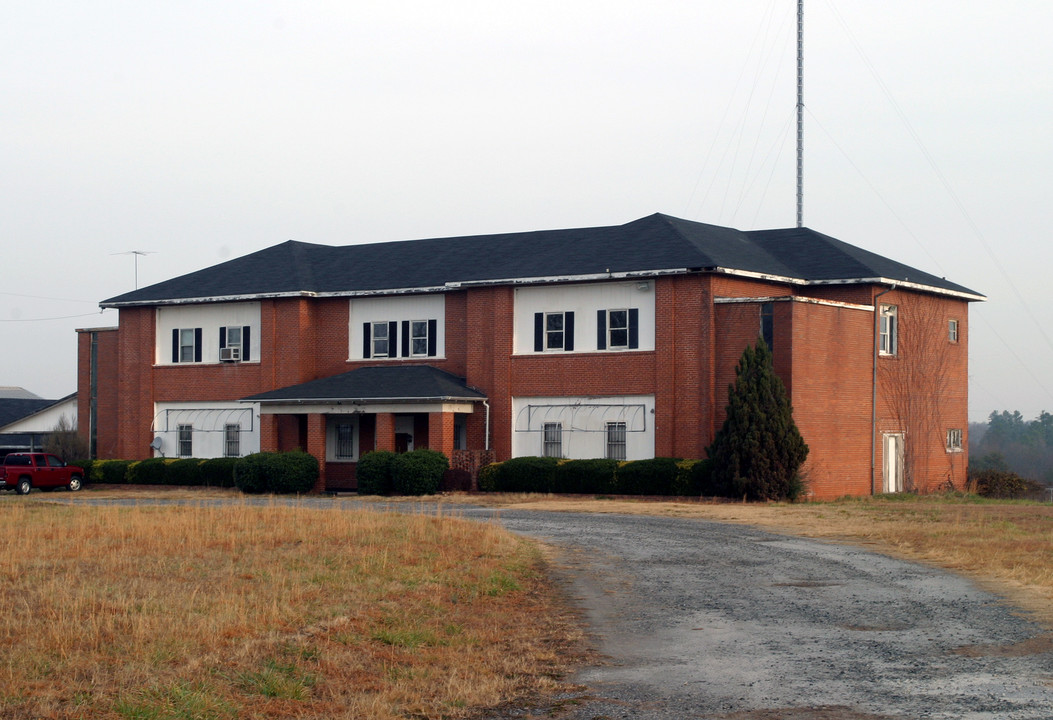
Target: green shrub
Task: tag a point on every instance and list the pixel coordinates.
(1004, 485)
(110, 471)
(151, 471)
(184, 471)
(217, 472)
(587, 477)
(692, 477)
(251, 472)
(647, 477)
(374, 473)
(487, 477)
(287, 472)
(418, 472)
(528, 475)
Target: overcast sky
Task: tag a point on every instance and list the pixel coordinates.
(202, 131)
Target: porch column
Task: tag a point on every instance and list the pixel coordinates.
(268, 433)
(316, 446)
(385, 439)
(440, 432)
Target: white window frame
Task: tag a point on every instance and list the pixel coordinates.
(889, 330)
(232, 440)
(187, 349)
(551, 333)
(417, 339)
(552, 440)
(952, 331)
(623, 329)
(954, 441)
(186, 441)
(616, 440)
(374, 339)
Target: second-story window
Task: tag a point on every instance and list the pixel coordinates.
(553, 331)
(419, 338)
(618, 329)
(234, 343)
(952, 330)
(186, 345)
(888, 330)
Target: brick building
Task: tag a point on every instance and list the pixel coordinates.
(598, 342)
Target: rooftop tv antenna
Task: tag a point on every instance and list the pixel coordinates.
(800, 113)
(136, 253)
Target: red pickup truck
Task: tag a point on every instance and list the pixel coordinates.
(23, 471)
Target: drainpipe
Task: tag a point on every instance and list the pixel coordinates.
(873, 398)
(487, 437)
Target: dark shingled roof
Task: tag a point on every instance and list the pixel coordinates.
(14, 409)
(654, 243)
(376, 384)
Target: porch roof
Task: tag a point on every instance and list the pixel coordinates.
(389, 383)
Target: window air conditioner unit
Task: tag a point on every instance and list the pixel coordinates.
(230, 354)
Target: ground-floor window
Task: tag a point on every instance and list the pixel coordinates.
(553, 440)
(345, 441)
(232, 440)
(186, 441)
(615, 441)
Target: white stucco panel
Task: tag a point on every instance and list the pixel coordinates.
(584, 300)
(210, 318)
(583, 424)
(396, 309)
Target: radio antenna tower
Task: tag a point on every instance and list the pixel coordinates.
(800, 113)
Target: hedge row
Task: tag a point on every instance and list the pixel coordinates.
(657, 476)
(1005, 485)
(293, 472)
(418, 472)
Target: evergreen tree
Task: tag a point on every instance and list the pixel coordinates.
(759, 450)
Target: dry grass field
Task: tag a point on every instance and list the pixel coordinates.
(208, 613)
(202, 613)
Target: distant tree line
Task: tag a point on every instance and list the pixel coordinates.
(1007, 442)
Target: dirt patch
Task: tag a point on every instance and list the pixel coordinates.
(1032, 646)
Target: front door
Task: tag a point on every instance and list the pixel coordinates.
(893, 462)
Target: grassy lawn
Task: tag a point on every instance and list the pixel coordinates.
(267, 612)
(274, 612)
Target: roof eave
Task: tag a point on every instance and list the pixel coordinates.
(362, 401)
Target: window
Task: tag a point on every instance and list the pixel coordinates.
(186, 345)
(615, 441)
(888, 330)
(186, 441)
(952, 330)
(618, 329)
(954, 440)
(345, 441)
(234, 343)
(553, 331)
(419, 338)
(232, 440)
(379, 339)
(767, 324)
(552, 445)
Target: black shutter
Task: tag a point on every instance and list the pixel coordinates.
(634, 328)
(405, 338)
(393, 333)
(539, 332)
(568, 331)
(246, 342)
(367, 341)
(222, 338)
(197, 344)
(433, 330)
(601, 329)
(175, 346)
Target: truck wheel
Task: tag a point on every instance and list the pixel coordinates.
(74, 483)
(23, 486)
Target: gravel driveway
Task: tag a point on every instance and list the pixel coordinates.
(708, 620)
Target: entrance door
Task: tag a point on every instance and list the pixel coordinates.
(892, 444)
(403, 433)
